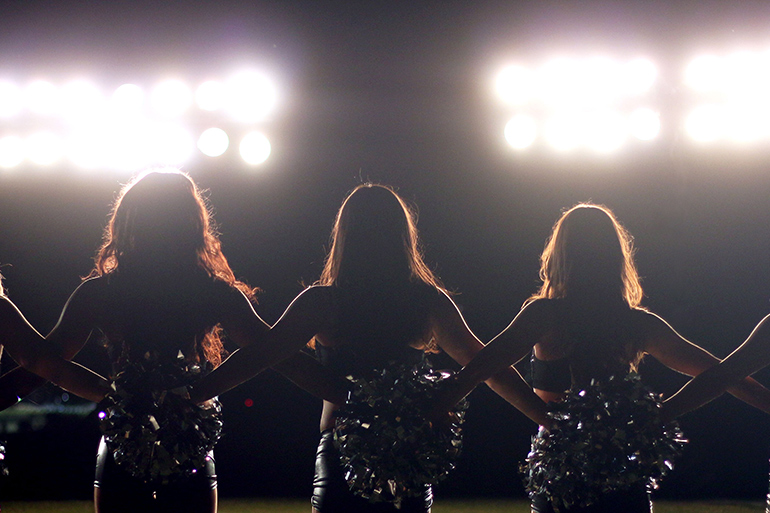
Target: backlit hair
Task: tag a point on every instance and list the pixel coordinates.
(160, 219)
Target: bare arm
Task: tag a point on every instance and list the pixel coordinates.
(492, 364)
(748, 358)
(681, 355)
(305, 316)
(49, 357)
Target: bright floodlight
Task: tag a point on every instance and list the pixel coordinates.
(638, 76)
(604, 131)
(515, 85)
(213, 142)
(644, 124)
(707, 123)
(556, 79)
(128, 99)
(211, 95)
(171, 98)
(250, 97)
(705, 73)
(81, 101)
(11, 151)
(563, 132)
(11, 100)
(520, 131)
(44, 148)
(42, 97)
(255, 148)
(88, 149)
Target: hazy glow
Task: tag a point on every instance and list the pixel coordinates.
(87, 149)
(250, 97)
(44, 148)
(81, 101)
(563, 132)
(706, 123)
(11, 99)
(171, 98)
(211, 95)
(638, 76)
(213, 142)
(604, 131)
(747, 125)
(170, 144)
(42, 97)
(521, 131)
(516, 85)
(255, 148)
(644, 124)
(128, 99)
(11, 151)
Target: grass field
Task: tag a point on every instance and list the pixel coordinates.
(303, 506)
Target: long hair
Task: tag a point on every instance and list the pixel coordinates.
(160, 220)
(589, 259)
(589, 250)
(375, 249)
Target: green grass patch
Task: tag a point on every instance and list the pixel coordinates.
(466, 506)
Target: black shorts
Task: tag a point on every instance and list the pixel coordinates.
(121, 492)
(332, 495)
(635, 500)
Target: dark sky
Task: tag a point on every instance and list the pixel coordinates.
(399, 93)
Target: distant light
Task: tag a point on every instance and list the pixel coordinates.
(171, 98)
(81, 101)
(11, 151)
(213, 142)
(102, 414)
(250, 97)
(638, 76)
(707, 123)
(211, 95)
(557, 80)
(516, 85)
(563, 132)
(11, 99)
(65, 397)
(42, 97)
(520, 131)
(128, 99)
(248, 403)
(255, 148)
(644, 124)
(44, 148)
(605, 131)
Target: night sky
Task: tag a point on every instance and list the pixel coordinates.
(400, 93)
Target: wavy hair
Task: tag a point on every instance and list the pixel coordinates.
(161, 218)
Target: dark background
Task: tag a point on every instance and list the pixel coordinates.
(400, 93)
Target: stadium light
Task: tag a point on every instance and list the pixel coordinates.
(11, 99)
(213, 142)
(255, 148)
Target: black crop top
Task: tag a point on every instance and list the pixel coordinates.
(551, 375)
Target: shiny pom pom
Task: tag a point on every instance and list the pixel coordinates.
(604, 438)
(389, 451)
(152, 429)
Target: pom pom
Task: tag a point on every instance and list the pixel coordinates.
(389, 451)
(3, 466)
(152, 429)
(604, 438)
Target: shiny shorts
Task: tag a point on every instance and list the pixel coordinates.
(636, 500)
(332, 495)
(121, 492)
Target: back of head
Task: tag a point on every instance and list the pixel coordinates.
(590, 254)
(159, 218)
(375, 239)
